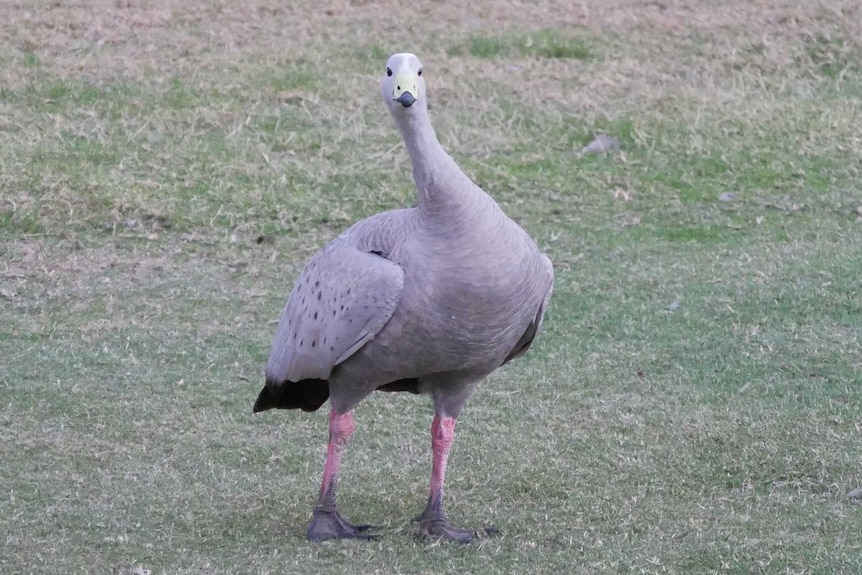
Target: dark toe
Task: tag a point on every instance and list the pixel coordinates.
(440, 529)
(331, 525)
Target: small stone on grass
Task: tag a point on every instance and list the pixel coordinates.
(602, 143)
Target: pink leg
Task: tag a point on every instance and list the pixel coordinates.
(442, 436)
(326, 521)
(432, 522)
(341, 427)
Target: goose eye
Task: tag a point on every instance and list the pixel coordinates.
(388, 71)
(420, 72)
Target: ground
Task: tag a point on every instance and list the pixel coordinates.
(692, 405)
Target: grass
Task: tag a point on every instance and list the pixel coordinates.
(692, 405)
(543, 44)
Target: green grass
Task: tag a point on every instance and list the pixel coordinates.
(692, 405)
(542, 44)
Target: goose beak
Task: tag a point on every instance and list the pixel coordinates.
(405, 89)
(406, 99)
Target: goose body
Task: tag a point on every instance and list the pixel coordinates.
(429, 299)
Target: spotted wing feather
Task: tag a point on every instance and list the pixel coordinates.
(342, 299)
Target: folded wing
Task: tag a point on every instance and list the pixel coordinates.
(342, 299)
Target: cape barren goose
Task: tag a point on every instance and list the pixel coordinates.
(429, 299)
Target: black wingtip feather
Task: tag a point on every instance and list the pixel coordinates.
(265, 400)
(307, 395)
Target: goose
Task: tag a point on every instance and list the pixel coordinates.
(429, 299)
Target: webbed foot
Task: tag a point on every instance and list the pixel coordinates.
(436, 527)
(329, 524)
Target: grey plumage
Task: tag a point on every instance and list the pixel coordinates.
(429, 299)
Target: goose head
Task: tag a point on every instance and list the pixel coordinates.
(402, 86)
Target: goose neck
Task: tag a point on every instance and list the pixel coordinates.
(438, 178)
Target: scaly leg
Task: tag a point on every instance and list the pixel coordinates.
(326, 521)
(432, 521)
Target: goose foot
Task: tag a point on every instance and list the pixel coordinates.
(439, 528)
(329, 524)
